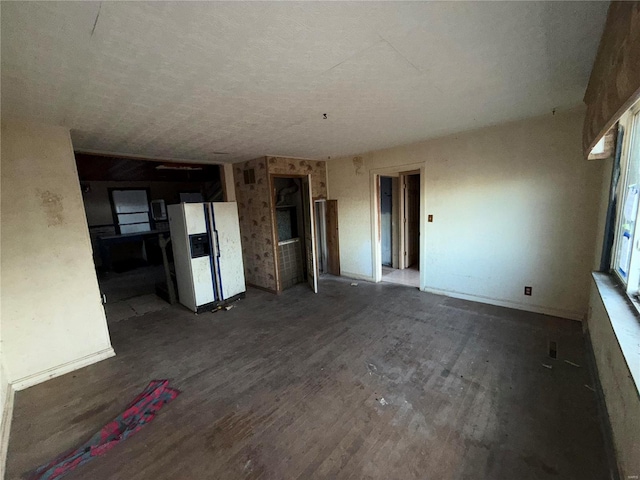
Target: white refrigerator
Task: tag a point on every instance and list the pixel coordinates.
(207, 253)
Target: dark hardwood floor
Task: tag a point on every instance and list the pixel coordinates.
(292, 386)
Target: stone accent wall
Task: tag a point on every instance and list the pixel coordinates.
(257, 219)
(254, 209)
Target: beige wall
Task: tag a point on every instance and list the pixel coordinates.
(229, 186)
(620, 392)
(513, 205)
(52, 317)
(4, 384)
(6, 412)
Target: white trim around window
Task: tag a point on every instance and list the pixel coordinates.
(626, 247)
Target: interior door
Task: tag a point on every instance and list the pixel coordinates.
(321, 235)
(309, 234)
(333, 242)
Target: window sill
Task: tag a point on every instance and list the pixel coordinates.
(624, 320)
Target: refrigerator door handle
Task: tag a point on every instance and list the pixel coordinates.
(217, 244)
(215, 253)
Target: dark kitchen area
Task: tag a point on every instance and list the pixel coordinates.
(126, 201)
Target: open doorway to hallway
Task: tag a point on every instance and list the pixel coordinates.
(399, 215)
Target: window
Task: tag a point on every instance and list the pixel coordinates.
(626, 253)
(131, 210)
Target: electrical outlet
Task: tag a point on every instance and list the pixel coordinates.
(527, 291)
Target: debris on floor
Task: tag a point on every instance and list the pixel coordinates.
(226, 307)
(383, 402)
(134, 307)
(590, 387)
(572, 364)
(547, 366)
(140, 411)
(354, 284)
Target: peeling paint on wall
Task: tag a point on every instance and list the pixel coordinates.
(358, 165)
(52, 206)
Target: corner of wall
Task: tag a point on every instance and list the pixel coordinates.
(254, 210)
(59, 370)
(228, 182)
(5, 425)
(47, 266)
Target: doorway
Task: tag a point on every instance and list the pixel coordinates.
(290, 231)
(294, 226)
(399, 227)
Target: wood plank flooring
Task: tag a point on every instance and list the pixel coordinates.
(377, 381)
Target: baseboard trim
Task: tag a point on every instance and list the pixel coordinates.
(264, 289)
(556, 312)
(357, 276)
(34, 379)
(5, 429)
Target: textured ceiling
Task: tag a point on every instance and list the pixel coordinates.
(186, 80)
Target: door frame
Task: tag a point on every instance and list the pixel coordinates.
(321, 233)
(332, 256)
(376, 250)
(274, 224)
